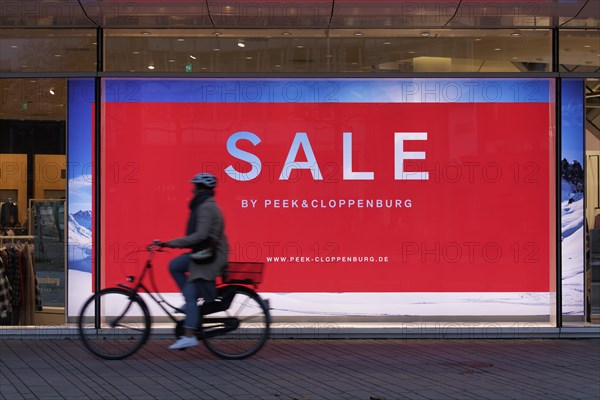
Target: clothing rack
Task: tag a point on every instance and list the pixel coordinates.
(13, 238)
(19, 305)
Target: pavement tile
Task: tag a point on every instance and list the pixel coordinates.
(308, 370)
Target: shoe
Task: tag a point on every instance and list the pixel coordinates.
(184, 342)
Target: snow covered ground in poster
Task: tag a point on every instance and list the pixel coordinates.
(572, 241)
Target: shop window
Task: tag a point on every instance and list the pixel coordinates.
(338, 50)
(32, 192)
(592, 172)
(39, 50)
(579, 51)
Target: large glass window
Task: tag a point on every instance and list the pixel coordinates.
(40, 50)
(342, 50)
(579, 51)
(404, 196)
(33, 184)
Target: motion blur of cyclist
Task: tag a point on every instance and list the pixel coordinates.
(195, 272)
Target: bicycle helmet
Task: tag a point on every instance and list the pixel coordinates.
(203, 178)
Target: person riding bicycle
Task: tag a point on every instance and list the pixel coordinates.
(195, 272)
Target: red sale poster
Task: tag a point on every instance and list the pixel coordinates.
(444, 187)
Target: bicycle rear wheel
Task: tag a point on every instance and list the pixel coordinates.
(242, 328)
(124, 323)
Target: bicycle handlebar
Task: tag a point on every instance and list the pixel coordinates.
(156, 245)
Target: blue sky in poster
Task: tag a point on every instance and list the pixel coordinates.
(572, 120)
(81, 98)
(347, 90)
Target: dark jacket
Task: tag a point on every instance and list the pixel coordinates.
(209, 225)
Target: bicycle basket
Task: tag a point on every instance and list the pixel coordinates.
(248, 273)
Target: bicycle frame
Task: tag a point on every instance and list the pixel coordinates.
(139, 284)
(225, 324)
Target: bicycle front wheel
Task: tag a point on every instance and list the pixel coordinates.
(242, 329)
(124, 323)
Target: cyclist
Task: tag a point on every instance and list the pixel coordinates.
(195, 272)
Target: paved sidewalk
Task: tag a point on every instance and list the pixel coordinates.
(309, 370)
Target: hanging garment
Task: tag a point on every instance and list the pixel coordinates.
(9, 215)
(5, 293)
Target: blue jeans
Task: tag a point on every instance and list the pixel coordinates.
(191, 291)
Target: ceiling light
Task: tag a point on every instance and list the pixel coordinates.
(192, 57)
(146, 33)
(425, 34)
(216, 49)
(387, 42)
(358, 34)
(248, 58)
(151, 65)
(287, 33)
(181, 40)
(587, 46)
(135, 52)
(171, 60)
(515, 34)
(497, 49)
(241, 43)
(216, 33)
(14, 46)
(300, 46)
(51, 91)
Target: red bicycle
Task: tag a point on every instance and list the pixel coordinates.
(115, 322)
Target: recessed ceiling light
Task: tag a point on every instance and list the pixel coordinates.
(193, 57)
(515, 34)
(497, 49)
(587, 46)
(358, 34)
(277, 65)
(300, 46)
(241, 43)
(387, 42)
(150, 66)
(216, 49)
(286, 33)
(181, 40)
(14, 46)
(411, 52)
(478, 39)
(135, 52)
(57, 55)
(425, 34)
(146, 33)
(249, 58)
(216, 33)
(171, 60)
